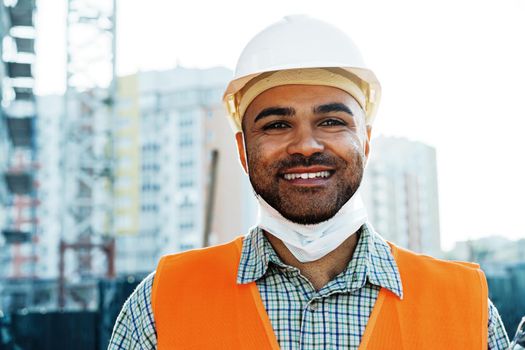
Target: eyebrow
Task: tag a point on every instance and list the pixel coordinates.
(332, 107)
(280, 111)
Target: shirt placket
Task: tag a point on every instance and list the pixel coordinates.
(313, 322)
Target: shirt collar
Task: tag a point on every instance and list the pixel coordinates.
(383, 270)
(372, 256)
(256, 255)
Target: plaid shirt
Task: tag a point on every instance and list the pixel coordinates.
(334, 317)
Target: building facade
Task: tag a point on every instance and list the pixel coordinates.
(167, 127)
(400, 191)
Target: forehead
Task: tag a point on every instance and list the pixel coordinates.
(300, 96)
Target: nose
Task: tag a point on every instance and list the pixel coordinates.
(305, 142)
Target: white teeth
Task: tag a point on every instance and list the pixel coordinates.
(294, 176)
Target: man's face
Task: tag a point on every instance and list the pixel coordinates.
(306, 147)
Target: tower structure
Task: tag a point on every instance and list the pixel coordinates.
(20, 249)
(87, 143)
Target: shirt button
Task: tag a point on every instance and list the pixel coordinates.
(313, 306)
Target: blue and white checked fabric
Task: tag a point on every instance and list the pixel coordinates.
(334, 317)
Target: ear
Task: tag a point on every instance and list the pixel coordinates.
(239, 138)
(367, 140)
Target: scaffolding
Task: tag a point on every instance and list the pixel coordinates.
(87, 144)
(20, 252)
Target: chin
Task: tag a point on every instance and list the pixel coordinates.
(308, 218)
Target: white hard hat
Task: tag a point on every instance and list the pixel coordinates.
(301, 42)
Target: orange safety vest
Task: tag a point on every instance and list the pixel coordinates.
(197, 304)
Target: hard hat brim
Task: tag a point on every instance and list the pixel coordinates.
(372, 92)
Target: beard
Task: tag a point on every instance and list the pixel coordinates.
(306, 205)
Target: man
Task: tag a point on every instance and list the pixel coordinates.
(313, 273)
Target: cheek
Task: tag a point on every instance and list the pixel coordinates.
(345, 143)
(357, 145)
(264, 153)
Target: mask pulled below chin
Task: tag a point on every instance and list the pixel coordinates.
(312, 242)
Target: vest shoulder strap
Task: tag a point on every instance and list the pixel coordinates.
(197, 303)
(190, 267)
(443, 303)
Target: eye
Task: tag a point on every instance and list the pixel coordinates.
(275, 125)
(332, 122)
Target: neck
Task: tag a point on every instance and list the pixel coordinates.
(323, 270)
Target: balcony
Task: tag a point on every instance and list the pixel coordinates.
(20, 131)
(16, 236)
(20, 183)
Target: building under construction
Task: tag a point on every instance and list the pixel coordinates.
(91, 179)
(21, 250)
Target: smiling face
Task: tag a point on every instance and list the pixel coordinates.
(306, 147)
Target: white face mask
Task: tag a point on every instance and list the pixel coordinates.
(312, 242)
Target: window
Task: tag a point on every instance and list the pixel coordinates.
(150, 167)
(186, 226)
(152, 187)
(185, 122)
(149, 207)
(150, 146)
(185, 183)
(186, 140)
(187, 163)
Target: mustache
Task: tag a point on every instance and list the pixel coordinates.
(299, 160)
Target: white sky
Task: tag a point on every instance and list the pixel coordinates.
(452, 71)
